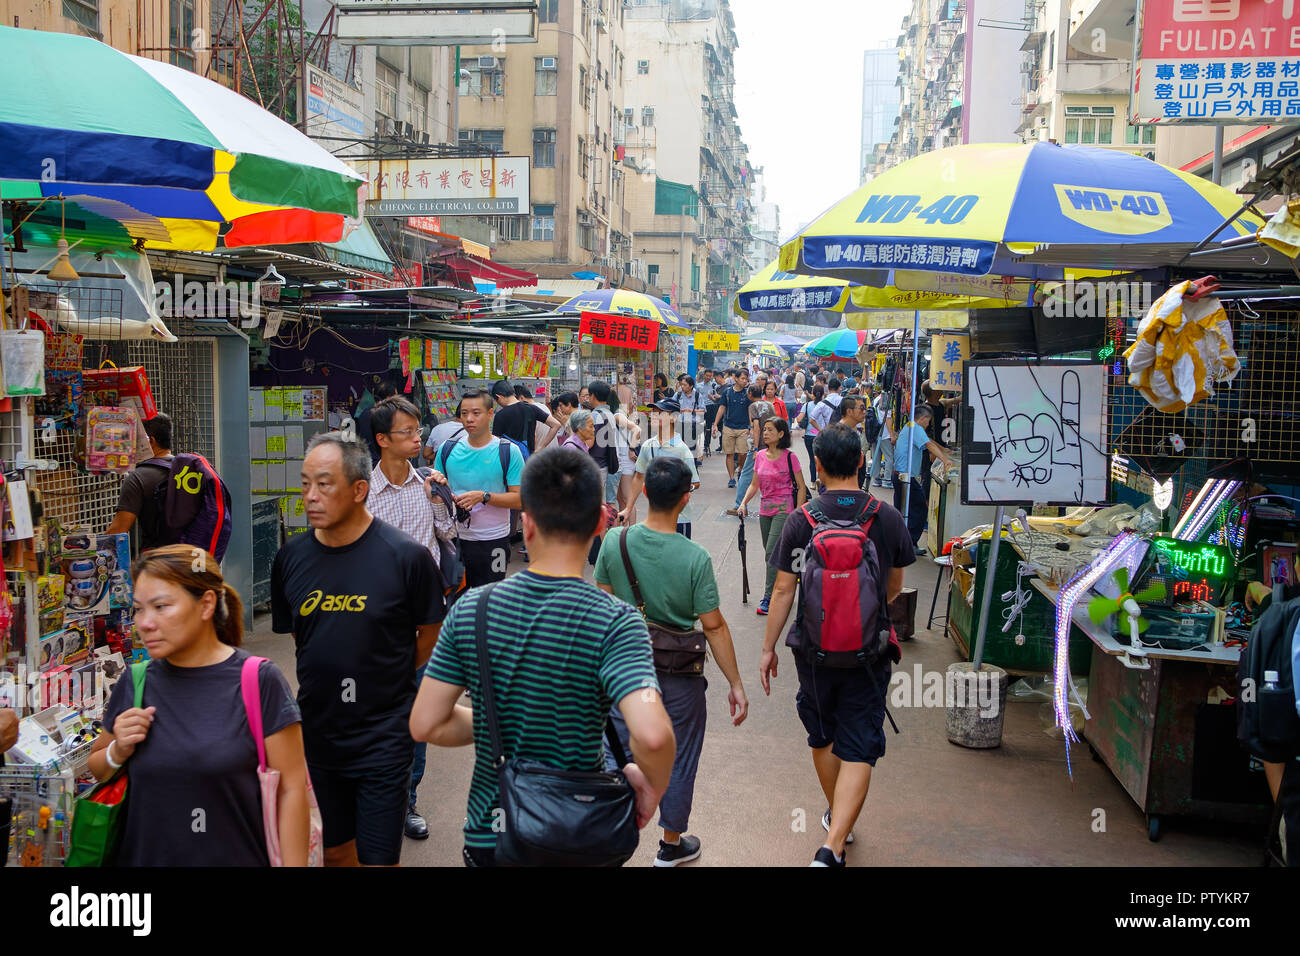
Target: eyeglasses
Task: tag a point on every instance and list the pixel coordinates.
(406, 432)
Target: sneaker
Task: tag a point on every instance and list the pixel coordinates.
(825, 857)
(675, 854)
(826, 825)
(762, 607)
(731, 483)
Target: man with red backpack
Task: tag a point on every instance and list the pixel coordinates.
(839, 563)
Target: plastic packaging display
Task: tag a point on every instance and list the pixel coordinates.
(23, 355)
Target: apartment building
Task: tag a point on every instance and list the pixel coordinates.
(155, 29)
(560, 102)
(954, 84)
(765, 232)
(693, 211)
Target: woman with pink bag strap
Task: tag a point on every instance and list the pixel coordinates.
(218, 773)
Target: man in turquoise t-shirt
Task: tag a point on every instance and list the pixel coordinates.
(909, 445)
(665, 442)
(483, 472)
(561, 653)
(675, 576)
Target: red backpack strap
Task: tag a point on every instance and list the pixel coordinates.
(253, 704)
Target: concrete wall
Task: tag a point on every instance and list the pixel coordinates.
(992, 93)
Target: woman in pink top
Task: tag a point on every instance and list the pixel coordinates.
(778, 479)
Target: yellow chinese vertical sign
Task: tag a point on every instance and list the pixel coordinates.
(948, 351)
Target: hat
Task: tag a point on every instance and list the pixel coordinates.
(668, 405)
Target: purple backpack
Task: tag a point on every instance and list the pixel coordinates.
(191, 505)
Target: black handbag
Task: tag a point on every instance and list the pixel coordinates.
(676, 652)
(556, 817)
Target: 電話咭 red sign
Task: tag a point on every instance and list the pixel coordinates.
(1216, 61)
(621, 331)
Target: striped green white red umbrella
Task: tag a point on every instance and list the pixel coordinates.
(83, 120)
(841, 343)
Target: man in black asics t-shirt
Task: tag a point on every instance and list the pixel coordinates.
(364, 602)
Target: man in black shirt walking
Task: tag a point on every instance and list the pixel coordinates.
(364, 602)
(518, 420)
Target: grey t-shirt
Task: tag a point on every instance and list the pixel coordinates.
(136, 496)
(194, 795)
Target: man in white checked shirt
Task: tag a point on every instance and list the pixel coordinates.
(400, 497)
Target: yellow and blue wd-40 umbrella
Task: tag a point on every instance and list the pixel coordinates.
(958, 209)
(172, 157)
(625, 302)
(773, 296)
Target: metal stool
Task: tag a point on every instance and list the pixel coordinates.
(943, 561)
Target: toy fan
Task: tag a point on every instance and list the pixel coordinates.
(1100, 608)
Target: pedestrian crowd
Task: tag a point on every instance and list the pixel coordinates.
(408, 630)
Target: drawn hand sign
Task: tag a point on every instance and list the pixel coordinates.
(1037, 445)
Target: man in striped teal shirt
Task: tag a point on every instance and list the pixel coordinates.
(562, 653)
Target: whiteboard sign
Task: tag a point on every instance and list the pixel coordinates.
(1034, 434)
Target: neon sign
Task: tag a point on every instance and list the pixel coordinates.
(1210, 559)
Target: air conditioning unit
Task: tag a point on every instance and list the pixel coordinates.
(1040, 122)
(549, 63)
(487, 62)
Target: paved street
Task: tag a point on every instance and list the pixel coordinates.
(757, 802)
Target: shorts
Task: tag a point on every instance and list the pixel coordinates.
(626, 465)
(843, 708)
(735, 441)
(368, 806)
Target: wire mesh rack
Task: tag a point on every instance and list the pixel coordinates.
(37, 838)
(1256, 417)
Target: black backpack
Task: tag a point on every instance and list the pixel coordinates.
(837, 412)
(1267, 723)
(871, 426)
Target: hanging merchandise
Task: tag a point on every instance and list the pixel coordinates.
(23, 354)
(110, 439)
(1282, 232)
(1183, 348)
(109, 385)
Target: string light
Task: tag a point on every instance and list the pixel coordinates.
(1195, 522)
(1122, 549)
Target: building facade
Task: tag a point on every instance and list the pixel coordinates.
(954, 84)
(879, 104)
(693, 208)
(559, 102)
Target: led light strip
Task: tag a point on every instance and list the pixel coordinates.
(1120, 550)
(1191, 509)
(1209, 509)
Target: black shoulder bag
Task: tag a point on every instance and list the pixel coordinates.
(556, 817)
(676, 652)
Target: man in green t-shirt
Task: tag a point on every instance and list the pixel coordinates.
(676, 579)
(561, 655)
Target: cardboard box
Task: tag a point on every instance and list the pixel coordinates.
(125, 381)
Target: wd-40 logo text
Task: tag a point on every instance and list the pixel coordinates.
(1084, 300)
(318, 600)
(1126, 212)
(193, 299)
(946, 209)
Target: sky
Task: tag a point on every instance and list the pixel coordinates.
(799, 95)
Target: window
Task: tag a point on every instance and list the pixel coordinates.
(695, 276)
(546, 75)
(643, 67)
(584, 93)
(181, 30)
(652, 274)
(386, 80)
(494, 138)
(1145, 135)
(1089, 124)
(629, 117)
(86, 12)
(587, 236)
(543, 224)
(586, 20)
(647, 116)
(548, 11)
(484, 80)
(509, 228)
(543, 148)
(582, 157)
(418, 109)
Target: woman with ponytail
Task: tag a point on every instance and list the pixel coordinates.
(195, 799)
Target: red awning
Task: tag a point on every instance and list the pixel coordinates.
(466, 267)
